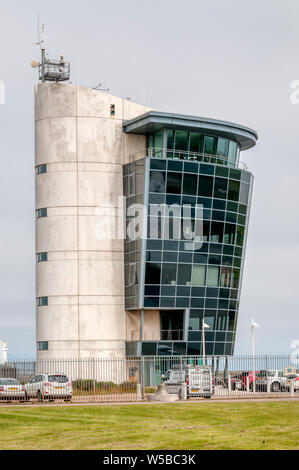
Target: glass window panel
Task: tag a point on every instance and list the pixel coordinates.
(240, 235)
(233, 190)
(181, 140)
(235, 174)
(149, 141)
(218, 204)
(232, 206)
(167, 302)
(235, 278)
(195, 142)
(232, 153)
(170, 139)
(244, 193)
(184, 274)
(221, 322)
(158, 139)
(210, 145)
(195, 320)
(245, 176)
(198, 276)
(190, 184)
(220, 188)
(207, 169)
(231, 217)
(194, 349)
(169, 273)
(222, 147)
(225, 277)
(174, 183)
(212, 276)
(40, 169)
(229, 234)
(175, 165)
(205, 186)
(149, 349)
(210, 320)
(157, 182)
(170, 144)
(153, 273)
(217, 229)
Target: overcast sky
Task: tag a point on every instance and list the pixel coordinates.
(227, 59)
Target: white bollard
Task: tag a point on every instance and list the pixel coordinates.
(247, 384)
(229, 384)
(183, 394)
(292, 388)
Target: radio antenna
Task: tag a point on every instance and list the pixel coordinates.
(49, 70)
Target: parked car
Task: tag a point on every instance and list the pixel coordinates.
(11, 389)
(276, 379)
(49, 386)
(295, 378)
(198, 379)
(239, 381)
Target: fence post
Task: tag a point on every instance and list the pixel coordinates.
(142, 376)
(139, 393)
(229, 384)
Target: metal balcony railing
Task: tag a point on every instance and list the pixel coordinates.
(189, 156)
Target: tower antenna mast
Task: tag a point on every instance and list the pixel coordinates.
(50, 70)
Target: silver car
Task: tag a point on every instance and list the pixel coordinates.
(49, 386)
(11, 389)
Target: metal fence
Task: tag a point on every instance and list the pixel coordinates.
(131, 379)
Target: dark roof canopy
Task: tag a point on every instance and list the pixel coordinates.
(154, 121)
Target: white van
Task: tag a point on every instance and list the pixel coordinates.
(198, 379)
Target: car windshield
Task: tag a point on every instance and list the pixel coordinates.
(62, 379)
(9, 382)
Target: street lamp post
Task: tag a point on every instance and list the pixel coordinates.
(204, 325)
(253, 325)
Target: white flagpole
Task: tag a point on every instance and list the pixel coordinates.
(203, 344)
(253, 325)
(253, 362)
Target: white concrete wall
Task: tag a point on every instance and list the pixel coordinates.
(84, 149)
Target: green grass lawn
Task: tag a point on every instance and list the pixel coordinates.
(206, 425)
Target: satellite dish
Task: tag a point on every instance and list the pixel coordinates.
(34, 64)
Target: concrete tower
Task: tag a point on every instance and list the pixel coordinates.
(80, 148)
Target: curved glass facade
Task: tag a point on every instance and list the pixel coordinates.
(191, 145)
(204, 281)
(186, 283)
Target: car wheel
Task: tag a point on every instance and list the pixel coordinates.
(39, 396)
(207, 396)
(275, 387)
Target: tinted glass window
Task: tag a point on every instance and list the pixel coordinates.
(190, 184)
(220, 189)
(157, 182)
(196, 142)
(174, 183)
(209, 145)
(233, 190)
(184, 274)
(169, 273)
(205, 186)
(181, 140)
(153, 273)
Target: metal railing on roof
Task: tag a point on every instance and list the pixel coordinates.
(187, 156)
